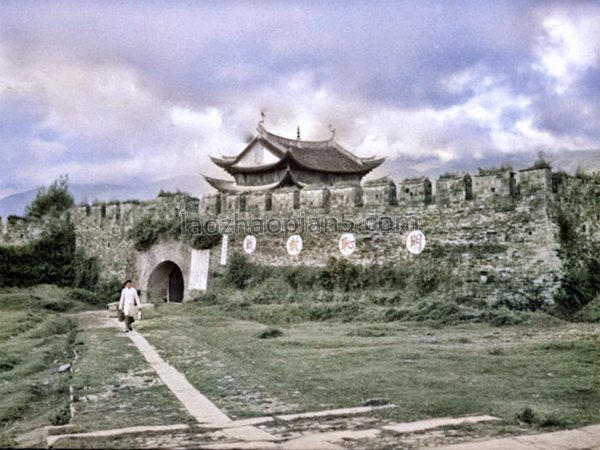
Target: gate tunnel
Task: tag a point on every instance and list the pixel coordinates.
(165, 283)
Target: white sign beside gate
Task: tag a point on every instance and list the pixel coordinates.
(199, 270)
(224, 245)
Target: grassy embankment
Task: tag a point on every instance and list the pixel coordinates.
(114, 387)
(36, 340)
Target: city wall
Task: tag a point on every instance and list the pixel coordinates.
(494, 229)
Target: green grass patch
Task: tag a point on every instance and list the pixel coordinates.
(115, 387)
(113, 384)
(590, 312)
(459, 369)
(47, 297)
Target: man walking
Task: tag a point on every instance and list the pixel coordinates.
(129, 300)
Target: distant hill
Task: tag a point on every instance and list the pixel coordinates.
(15, 203)
(587, 160)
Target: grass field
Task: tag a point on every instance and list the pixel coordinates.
(543, 376)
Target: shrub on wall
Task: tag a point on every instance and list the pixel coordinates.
(204, 241)
(148, 230)
(86, 271)
(581, 266)
(239, 271)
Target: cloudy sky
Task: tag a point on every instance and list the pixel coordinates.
(114, 92)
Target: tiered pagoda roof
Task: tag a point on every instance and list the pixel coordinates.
(270, 161)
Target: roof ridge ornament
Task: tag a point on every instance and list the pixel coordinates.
(298, 133)
(332, 130)
(261, 123)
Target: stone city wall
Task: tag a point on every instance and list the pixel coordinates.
(517, 245)
(494, 226)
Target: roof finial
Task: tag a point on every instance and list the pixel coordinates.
(298, 133)
(261, 123)
(332, 131)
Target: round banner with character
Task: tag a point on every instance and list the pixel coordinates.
(294, 245)
(415, 242)
(347, 244)
(249, 244)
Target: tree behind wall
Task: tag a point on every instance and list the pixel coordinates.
(52, 257)
(52, 200)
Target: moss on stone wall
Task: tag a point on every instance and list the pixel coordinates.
(147, 230)
(580, 253)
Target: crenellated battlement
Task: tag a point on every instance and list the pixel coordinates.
(112, 217)
(453, 189)
(488, 186)
(118, 214)
(415, 192)
(15, 230)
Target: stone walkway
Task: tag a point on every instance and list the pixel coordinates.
(198, 405)
(587, 438)
(51, 439)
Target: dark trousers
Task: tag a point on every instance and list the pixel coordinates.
(128, 321)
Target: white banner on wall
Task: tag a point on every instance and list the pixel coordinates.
(249, 244)
(347, 244)
(224, 246)
(199, 269)
(415, 242)
(294, 245)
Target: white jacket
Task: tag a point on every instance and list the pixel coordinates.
(129, 299)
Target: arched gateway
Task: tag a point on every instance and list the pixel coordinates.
(165, 283)
(170, 272)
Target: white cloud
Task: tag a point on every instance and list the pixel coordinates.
(43, 150)
(8, 191)
(96, 100)
(155, 138)
(113, 119)
(568, 45)
(197, 121)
